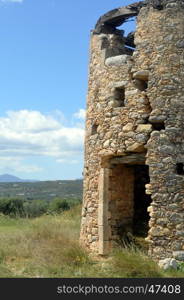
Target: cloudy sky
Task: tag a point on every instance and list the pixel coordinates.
(43, 84)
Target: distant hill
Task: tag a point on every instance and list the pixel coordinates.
(39, 190)
(11, 178)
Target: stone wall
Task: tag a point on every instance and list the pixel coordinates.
(135, 107)
(161, 53)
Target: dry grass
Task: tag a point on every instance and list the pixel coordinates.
(48, 247)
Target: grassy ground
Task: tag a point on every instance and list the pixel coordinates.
(48, 247)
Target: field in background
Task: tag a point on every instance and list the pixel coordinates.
(48, 247)
(42, 190)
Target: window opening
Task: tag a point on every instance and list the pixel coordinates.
(180, 169)
(119, 95)
(140, 84)
(94, 129)
(158, 126)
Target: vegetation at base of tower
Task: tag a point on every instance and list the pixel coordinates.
(47, 246)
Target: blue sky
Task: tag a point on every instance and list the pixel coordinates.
(43, 84)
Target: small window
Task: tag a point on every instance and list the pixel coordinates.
(105, 43)
(129, 42)
(94, 129)
(180, 169)
(119, 95)
(141, 85)
(158, 126)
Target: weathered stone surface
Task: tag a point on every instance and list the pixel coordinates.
(114, 103)
(148, 191)
(136, 147)
(180, 44)
(159, 231)
(162, 4)
(130, 93)
(106, 153)
(179, 255)
(128, 127)
(147, 128)
(168, 263)
(157, 119)
(129, 159)
(118, 84)
(143, 75)
(118, 60)
(106, 144)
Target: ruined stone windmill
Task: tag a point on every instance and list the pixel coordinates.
(134, 146)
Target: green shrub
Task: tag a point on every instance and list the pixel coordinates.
(74, 201)
(11, 206)
(58, 205)
(35, 208)
(15, 207)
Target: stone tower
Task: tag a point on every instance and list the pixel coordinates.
(134, 146)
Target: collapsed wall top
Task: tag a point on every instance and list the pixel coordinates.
(116, 17)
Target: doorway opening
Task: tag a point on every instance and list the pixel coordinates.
(128, 201)
(141, 200)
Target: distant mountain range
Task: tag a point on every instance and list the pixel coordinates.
(11, 178)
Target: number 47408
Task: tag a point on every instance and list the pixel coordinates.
(166, 289)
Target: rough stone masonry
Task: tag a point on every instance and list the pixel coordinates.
(134, 145)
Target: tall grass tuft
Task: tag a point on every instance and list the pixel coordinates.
(130, 262)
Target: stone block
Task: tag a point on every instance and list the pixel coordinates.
(130, 93)
(136, 147)
(106, 144)
(118, 60)
(159, 231)
(168, 263)
(145, 128)
(179, 255)
(118, 84)
(128, 127)
(90, 209)
(114, 103)
(180, 44)
(142, 74)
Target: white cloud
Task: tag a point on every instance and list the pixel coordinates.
(12, 164)
(71, 162)
(28, 121)
(81, 114)
(26, 134)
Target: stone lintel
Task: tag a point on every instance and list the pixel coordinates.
(129, 159)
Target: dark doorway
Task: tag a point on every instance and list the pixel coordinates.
(128, 201)
(141, 200)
